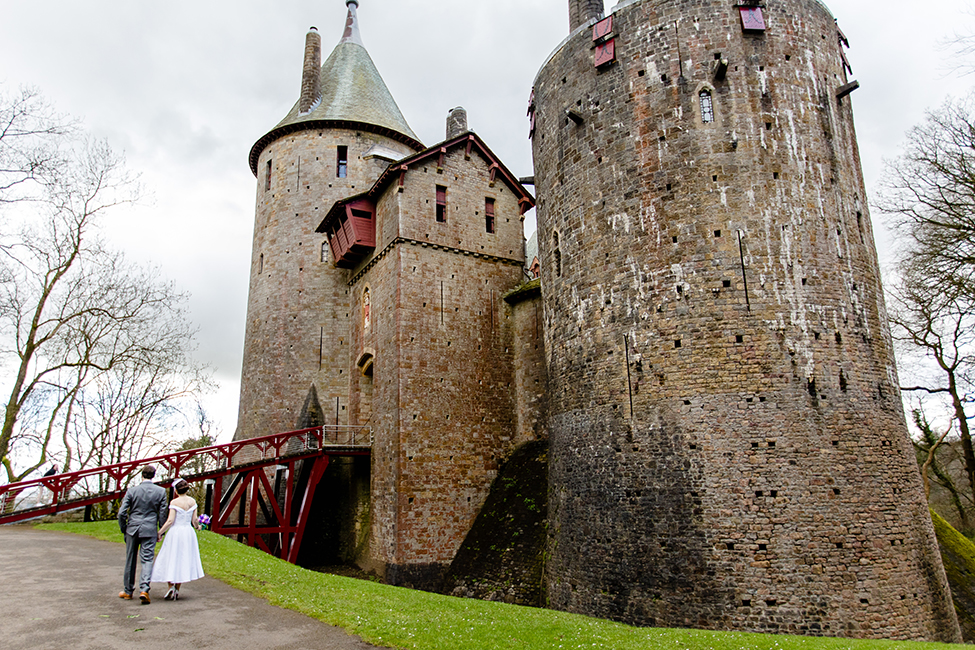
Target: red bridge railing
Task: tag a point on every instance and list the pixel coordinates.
(61, 492)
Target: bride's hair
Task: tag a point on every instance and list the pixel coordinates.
(181, 486)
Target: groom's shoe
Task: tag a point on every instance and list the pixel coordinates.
(144, 597)
(124, 595)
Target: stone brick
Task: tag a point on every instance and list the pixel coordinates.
(724, 407)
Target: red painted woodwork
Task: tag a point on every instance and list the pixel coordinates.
(602, 29)
(752, 19)
(249, 509)
(351, 230)
(605, 53)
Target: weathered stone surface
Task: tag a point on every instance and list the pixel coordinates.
(728, 447)
(297, 331)
(441, 396)
(503, 555)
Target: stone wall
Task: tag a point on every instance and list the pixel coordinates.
(531, 373)
(297, 333)
(728, 447)
(503, 556)
(442, 402)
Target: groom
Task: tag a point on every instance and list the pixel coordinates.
(142, 512)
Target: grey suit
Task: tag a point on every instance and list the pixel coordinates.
(142, 512)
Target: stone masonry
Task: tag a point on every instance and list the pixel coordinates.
(728, 446)
(706, 351)
(298, 307)
(440, 384)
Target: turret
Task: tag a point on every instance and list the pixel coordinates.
(728, 444)
(296, 344)
(582, 11)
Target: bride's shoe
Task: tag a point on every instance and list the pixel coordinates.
(171, 594)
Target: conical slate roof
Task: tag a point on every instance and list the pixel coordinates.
(352, 93)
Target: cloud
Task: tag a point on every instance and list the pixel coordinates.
(187, 87)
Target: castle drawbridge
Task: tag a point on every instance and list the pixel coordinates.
(259, 490)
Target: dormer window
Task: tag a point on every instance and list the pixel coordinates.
(342, 162)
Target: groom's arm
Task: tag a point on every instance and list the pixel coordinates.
(163, 513)
(123, 512)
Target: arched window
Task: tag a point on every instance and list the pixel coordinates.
(366, 308)
(707, 107)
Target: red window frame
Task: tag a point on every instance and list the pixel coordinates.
(441, 204)
(489, 214)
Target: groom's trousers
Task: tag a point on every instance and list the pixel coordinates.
(138, 549)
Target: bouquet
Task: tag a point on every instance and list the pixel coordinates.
(204, 522)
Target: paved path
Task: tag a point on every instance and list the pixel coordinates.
(60, 591)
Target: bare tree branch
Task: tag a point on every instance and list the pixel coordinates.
(99, 350)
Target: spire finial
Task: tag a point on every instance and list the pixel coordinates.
(351, 34)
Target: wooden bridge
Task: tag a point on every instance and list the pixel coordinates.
(259, 490)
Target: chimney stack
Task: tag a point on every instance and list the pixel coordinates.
(311, 83)
(582, 11)
(456, 122)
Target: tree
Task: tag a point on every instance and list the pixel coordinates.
(941, 325)
(99, 349)
(937, 457)
(29, 135)
(929, 192)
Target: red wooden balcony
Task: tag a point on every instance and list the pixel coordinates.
(351, 231)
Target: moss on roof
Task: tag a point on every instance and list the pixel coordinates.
(523, 291)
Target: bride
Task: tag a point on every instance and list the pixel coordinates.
(179, 559)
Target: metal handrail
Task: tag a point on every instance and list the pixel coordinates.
(76, 488)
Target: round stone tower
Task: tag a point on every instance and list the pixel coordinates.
(339, 137)
(728, 445)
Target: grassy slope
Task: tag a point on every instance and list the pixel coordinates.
(958, 555)
(402, 618)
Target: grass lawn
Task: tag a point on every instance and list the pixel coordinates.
(403, 618)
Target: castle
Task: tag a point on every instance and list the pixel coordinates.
(706, 352)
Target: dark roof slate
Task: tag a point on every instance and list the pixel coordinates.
(354, 95)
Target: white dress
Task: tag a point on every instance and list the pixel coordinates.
(179, 557)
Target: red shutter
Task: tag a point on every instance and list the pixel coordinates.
(752, 19)
(605, 53)
(602, 29)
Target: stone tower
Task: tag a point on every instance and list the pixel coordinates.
(728, 446)
(340, 136)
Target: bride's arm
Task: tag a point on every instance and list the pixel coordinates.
(169, 522)
(195, 519)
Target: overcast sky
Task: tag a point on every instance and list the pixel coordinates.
(185, 87)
